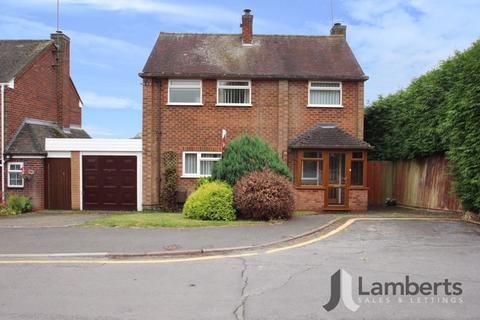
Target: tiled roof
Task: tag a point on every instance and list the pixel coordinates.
(327, 136)
(30, 139)
(17, 54)
(270, 56)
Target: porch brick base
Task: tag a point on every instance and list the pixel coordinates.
(358, 200)
(309, 200)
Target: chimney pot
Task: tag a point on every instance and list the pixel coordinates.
(247, 27)
(338, 29)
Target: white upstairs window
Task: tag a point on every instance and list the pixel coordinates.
(234, 92)
(324, 94)
(185, 92)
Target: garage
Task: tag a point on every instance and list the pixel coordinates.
(109, 182)
(105, 174)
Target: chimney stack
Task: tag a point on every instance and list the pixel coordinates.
(247, 27)
(62, 69)
(338, 29)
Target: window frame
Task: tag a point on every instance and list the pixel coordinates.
(170, 103)
(364, 161)
(310, 88)
(223, 104)
(299, 172)
(199, 159)
(22, 165)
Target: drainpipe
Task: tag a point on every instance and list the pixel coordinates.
(2, 133)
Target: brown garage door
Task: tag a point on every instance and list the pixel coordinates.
(109, 183)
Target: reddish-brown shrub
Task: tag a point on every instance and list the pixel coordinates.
(264, 195)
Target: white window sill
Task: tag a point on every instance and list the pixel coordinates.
(184, 104)
(233, 105)
(15, 187)
(324, 106)
(195, 176)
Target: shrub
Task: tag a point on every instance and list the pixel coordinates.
(211, 201)
(264, 195)
(6, 211)
(203, 180)
(247, 154)
(19, 203)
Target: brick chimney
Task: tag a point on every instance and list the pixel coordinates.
(62, 68)
(247, 27)
(338, 29)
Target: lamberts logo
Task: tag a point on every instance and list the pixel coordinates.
(406, 291)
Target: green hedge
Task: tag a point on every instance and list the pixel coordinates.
(211, 201)
(247, 154)
(437, 113)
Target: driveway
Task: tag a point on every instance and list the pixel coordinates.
(292, 284)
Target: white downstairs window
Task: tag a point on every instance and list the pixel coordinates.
(234, 92)
(324, 94)
(15, 178)
(199, 164)
(185, 92)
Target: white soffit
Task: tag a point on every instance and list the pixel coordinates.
(98, 145)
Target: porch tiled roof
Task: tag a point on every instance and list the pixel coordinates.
(327, 136)
(30, 139)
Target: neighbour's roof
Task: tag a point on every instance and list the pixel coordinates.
(270, 56)
(30, 138)
(17, 54)
(327, 136)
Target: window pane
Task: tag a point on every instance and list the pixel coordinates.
(234, 96)
(15, 178)
(190, 163)
(357, 173)
(234, 83)
(206, 167)
(189, 83)
(312, 154)
(325, 84)
(312, 172)
(15, 167)
(337, 168)
(357, 155)
(211, 155)
(325, 97)
(185, 95)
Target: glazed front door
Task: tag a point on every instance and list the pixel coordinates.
(336, 196)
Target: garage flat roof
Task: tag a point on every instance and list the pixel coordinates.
(99, 145)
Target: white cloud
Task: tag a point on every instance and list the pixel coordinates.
(396, 41)
(97, 132)
(94, 100)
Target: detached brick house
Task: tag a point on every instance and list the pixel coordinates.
(302, 94)
(39, 101)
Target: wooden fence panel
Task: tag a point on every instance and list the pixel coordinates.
(380, 181)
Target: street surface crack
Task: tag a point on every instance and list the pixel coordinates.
(239, 311)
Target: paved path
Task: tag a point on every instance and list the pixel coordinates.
(293, 284)
(37, 240)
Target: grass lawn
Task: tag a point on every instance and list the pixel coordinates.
(155, 220)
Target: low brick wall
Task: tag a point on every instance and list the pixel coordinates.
(309, 199)
(358, 199)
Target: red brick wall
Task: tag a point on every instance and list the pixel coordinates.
(33, 188)
(34, 96)
(309, 199)
(358, 199)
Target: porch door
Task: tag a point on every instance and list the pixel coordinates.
(336, 196)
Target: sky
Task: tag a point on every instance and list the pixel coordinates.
(394, 41)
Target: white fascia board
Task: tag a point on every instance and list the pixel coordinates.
(59, 154)
(94, 145)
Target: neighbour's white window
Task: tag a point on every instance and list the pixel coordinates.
(234, 92)
(15, 179)
(199, 164)
(324, 94)
(185, 92)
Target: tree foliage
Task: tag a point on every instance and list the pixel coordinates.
(437, 113)
(246, 154)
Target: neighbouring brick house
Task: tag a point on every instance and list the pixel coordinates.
(39, 101)
(304, 95)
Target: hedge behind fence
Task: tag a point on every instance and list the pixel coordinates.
(439, 112)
